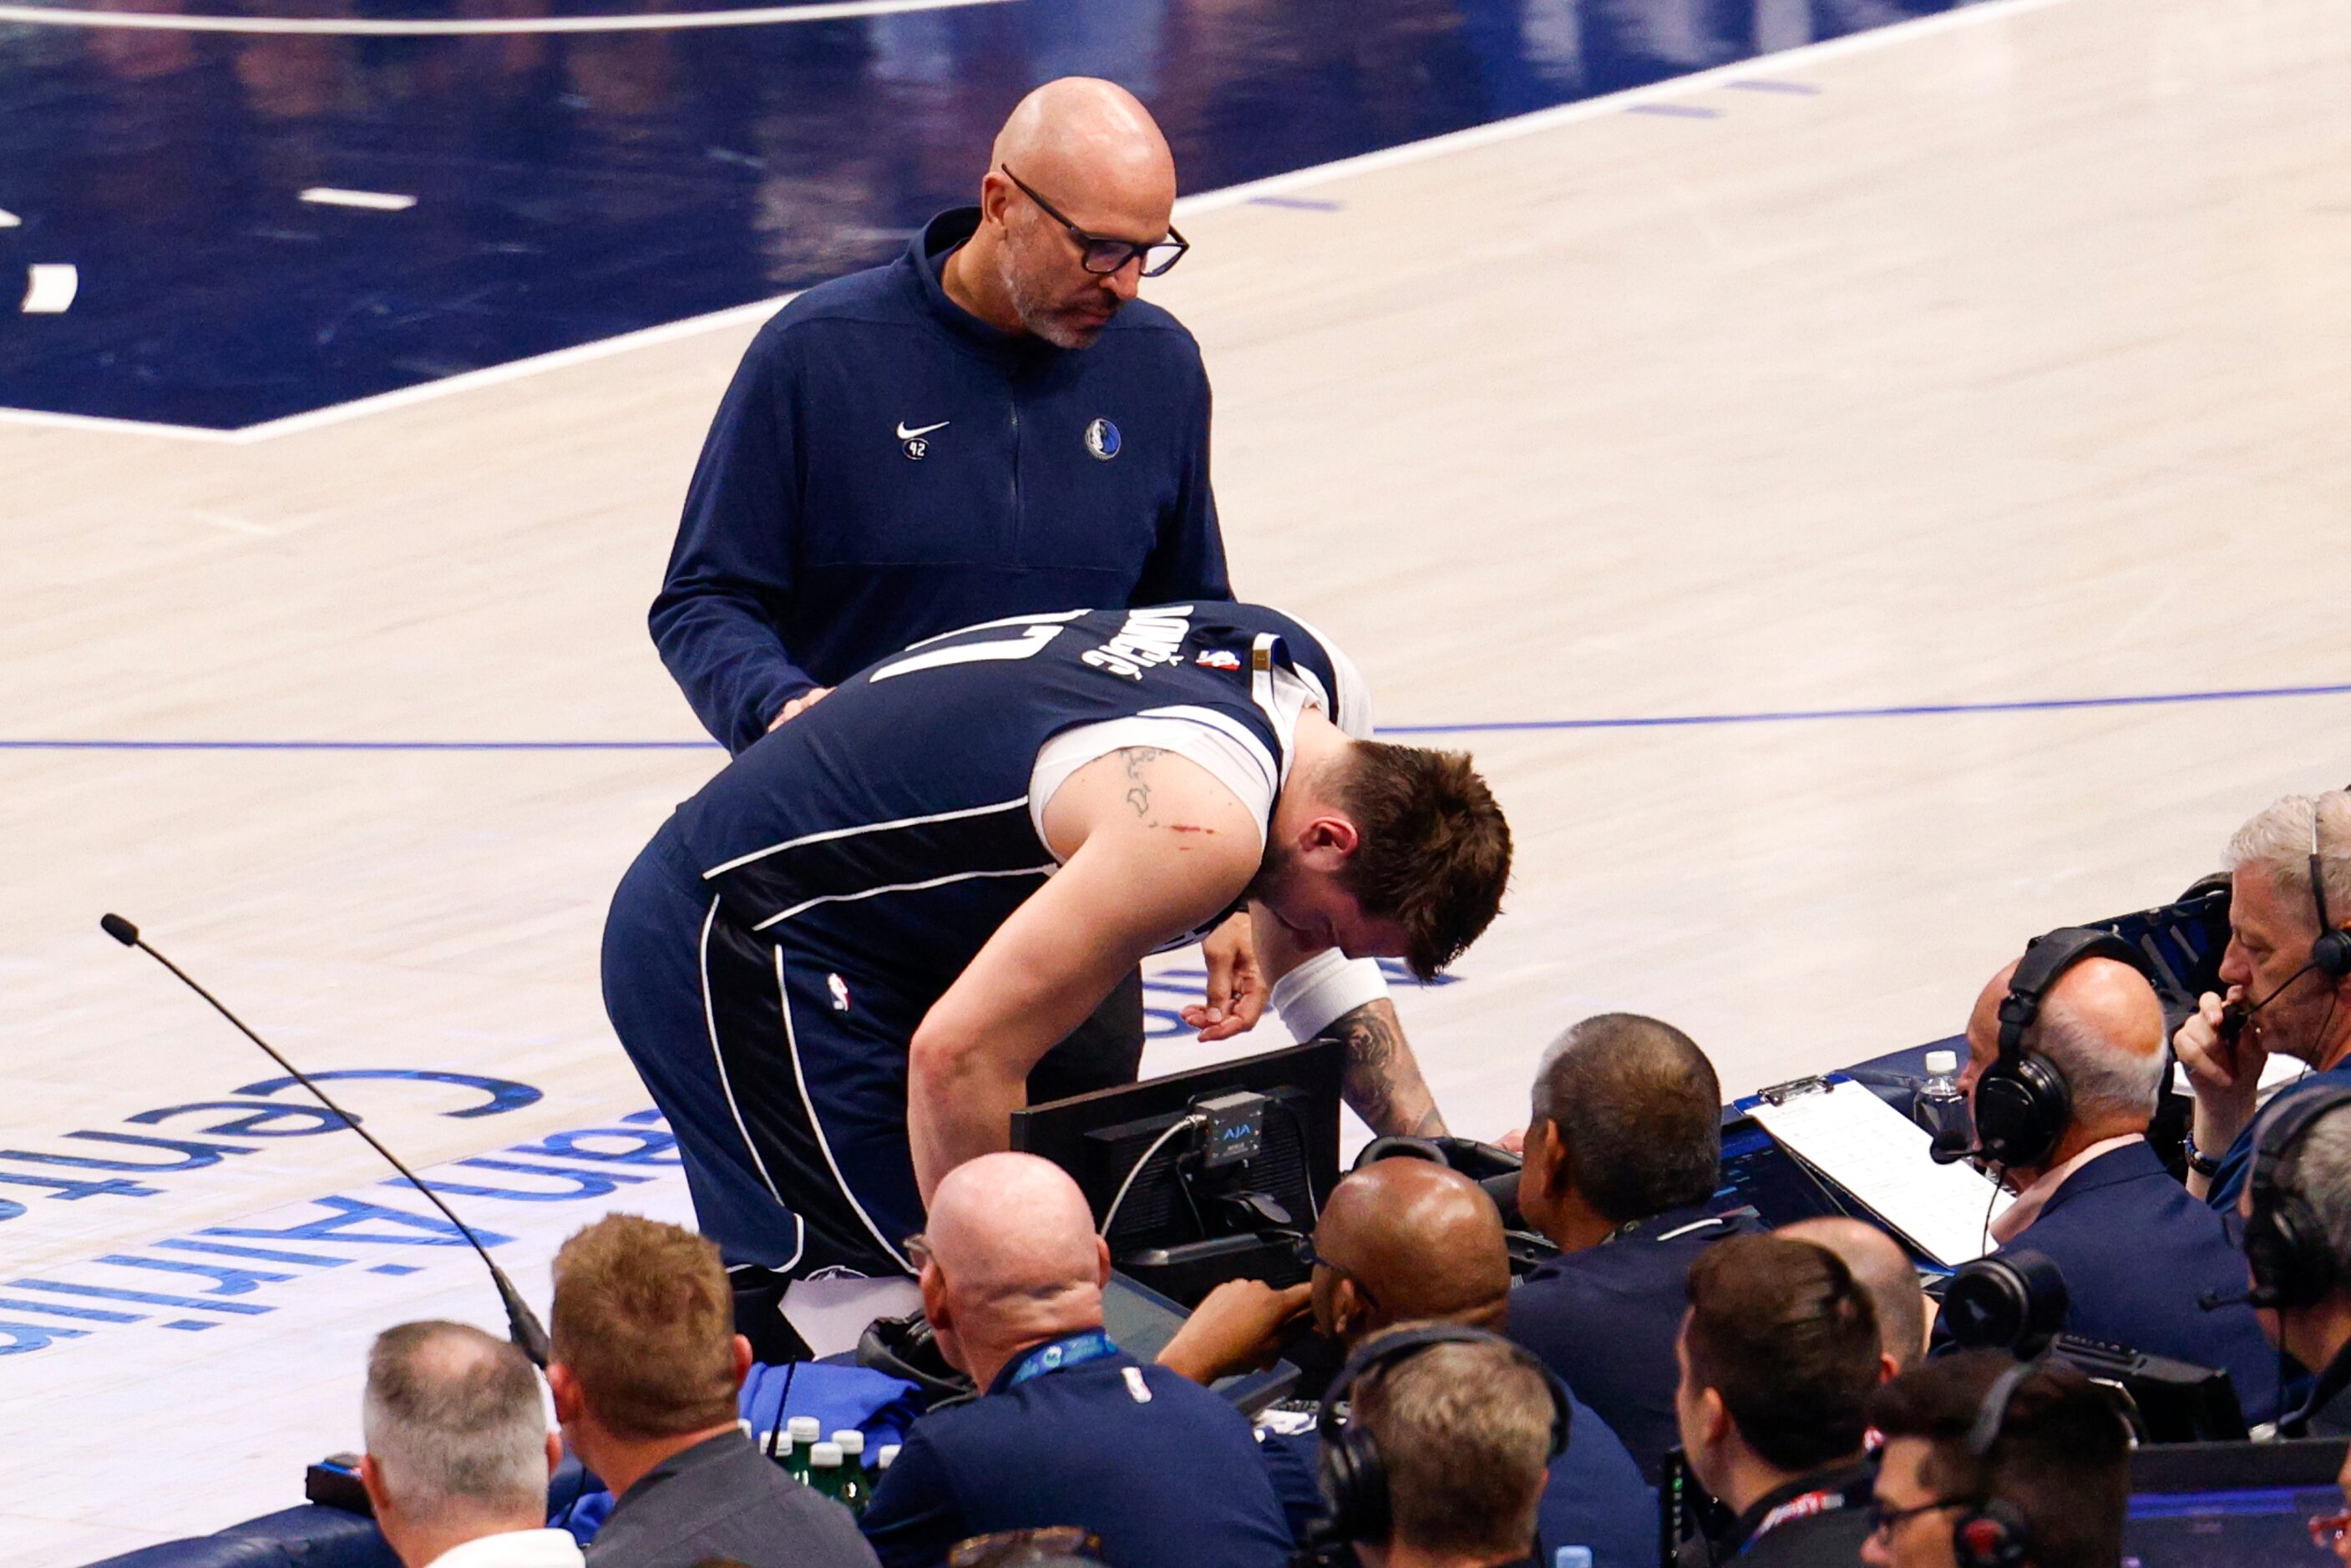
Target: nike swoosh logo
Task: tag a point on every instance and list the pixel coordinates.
(906, 434)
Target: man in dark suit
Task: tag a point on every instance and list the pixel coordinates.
(2137, 1251)
(1068, 1428)
(1402, 1242)
(1624, 1152)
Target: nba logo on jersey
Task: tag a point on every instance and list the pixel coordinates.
(1219, 659)
(840, 988)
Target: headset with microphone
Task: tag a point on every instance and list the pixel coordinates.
(1353, 1477)
(2288, 1254)
(1991, 1532)
(2021, 1103)
(2330, 950)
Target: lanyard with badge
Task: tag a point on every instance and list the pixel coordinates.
(1091, 1346)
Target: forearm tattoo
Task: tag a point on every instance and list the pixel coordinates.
(1382, 1079)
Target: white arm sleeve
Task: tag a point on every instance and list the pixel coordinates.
(1323, 990)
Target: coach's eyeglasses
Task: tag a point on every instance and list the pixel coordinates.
(1103, 255)
(1302, 1249)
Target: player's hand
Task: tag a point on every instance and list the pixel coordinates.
(1239, 1326)
(1237, 989)
(1514, 1141)
(797, 706)
(2225, 1075)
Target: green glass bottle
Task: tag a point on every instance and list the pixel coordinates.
(805, 1430)
(856, 1486)
(827, 1470)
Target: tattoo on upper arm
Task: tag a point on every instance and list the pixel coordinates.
(1138, 788)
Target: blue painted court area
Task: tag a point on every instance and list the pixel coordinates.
(569, 186)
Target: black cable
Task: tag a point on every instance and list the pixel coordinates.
(1999, 1185)
(791, 1369)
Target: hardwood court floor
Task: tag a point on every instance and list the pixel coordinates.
(1983, 363)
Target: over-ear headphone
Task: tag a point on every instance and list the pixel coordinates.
(1992, 1534)
(2021, 1103)
(1353, 1479)
(2330, 955)
(2287, 1253)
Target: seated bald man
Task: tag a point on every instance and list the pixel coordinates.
(1069, 1429)
(2137, 1251)
(1407, 1240)
(1883, 1270)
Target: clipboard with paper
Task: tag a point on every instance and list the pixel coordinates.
(1879, 1156)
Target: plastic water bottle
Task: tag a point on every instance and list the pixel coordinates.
(856, 1486)
(827, 1470)
(1939, 1107)
(797, 1459)
(882, 1459)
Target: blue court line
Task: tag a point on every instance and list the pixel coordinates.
(1496, 726)
(1908, 710)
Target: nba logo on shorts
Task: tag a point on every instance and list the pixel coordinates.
(840, 988)
(1102, 439)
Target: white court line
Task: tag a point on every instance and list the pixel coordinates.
(9, 220)
(50, 287)
(374, 201)
(425, 28)
(1499, 131)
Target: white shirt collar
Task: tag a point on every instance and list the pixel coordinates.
(514, 1549)
(2018, 1216)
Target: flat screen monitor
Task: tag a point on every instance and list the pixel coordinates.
(2231, 1505)
(1106, 1141)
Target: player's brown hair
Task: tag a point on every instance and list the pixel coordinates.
(644, 1319)
(1434, 852)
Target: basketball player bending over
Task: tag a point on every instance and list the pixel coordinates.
(835, 966)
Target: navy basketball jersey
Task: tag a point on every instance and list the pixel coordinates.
(895, 813)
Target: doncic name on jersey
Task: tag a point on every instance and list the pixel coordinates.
(1149, 639)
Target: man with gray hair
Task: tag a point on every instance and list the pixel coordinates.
(2288, 974)
(2136, 1251)
(458, 1453)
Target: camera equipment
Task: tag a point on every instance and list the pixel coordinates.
(2018, 1304)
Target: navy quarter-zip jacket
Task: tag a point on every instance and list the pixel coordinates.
(886, 466)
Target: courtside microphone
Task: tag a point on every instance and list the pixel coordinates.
(522, 1326)
(1951, 1145)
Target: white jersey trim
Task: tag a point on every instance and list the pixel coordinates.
(726, 1087)
(792, 1044)
(806, 904)
(862, 828)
